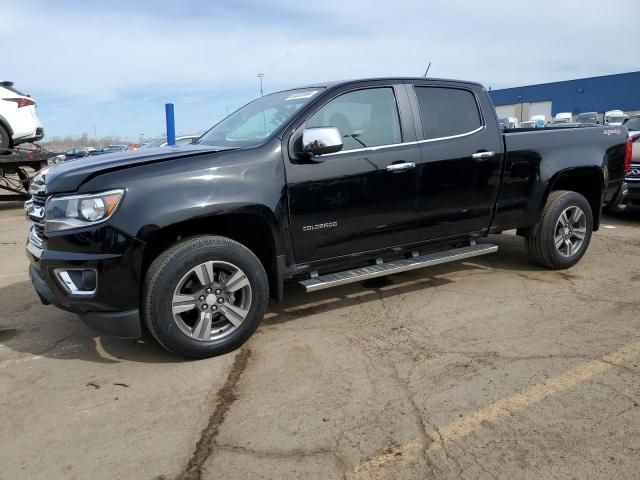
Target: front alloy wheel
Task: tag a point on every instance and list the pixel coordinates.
(211, 300)
(204, 296)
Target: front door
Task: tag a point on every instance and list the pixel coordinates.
(363, 197)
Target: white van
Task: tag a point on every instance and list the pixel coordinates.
(614, 117)
(563, 117)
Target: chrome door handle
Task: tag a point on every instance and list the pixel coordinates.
(482, 155)
(397, 167)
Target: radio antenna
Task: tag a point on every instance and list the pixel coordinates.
(428, 67)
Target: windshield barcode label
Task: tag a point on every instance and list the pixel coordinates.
(300, 95)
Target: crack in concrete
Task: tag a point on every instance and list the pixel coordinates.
(225, 397)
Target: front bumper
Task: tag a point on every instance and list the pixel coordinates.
(115, 257)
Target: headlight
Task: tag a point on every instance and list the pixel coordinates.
(77, 211)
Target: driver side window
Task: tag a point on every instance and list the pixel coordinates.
(365, 118)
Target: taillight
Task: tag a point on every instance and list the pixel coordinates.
(627, 155)
(22, 102)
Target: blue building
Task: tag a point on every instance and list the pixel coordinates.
(593, 94)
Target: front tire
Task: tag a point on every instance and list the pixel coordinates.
(204, 296)
(562, 236)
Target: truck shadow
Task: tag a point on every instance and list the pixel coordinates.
(630, 217)
(11, 202)
(44, 331)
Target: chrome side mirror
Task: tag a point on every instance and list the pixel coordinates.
(321, 140)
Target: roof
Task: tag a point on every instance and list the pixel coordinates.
(339, 83)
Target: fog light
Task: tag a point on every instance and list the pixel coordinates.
(78, 281)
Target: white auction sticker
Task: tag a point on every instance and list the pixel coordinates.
(300, 95)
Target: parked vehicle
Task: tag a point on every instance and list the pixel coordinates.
(77, 153)
(323, 185)
(614, 117)
(112, 149)
(629, 192)
(587, 118)
(533, 123)
(19, 122)
(563, 117)
(162, 142)
(503, 123)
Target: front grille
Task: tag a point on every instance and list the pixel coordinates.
(35, 212)
(634, 173)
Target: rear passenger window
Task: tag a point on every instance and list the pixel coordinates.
(365, 118)
(447, 111)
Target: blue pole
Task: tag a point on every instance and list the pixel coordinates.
(171, 124)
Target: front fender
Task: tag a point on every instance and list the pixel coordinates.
(169, 193)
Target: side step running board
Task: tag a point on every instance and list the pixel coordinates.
(381, 269)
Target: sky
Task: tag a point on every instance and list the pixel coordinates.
(112, 65)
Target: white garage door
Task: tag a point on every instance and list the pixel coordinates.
(540, 108)
(504, 111)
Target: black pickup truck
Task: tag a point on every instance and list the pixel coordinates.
(322, 185)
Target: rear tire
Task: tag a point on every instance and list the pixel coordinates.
(204, 296)
(5, 141)
(562, 236)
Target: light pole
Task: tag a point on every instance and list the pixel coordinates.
(260, 76)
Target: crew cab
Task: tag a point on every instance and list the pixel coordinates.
(322, 185)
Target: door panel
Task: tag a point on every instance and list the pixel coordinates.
(457, 191)
(350, 202)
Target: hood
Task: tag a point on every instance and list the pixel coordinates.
(68, 176)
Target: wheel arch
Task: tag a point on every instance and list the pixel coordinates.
(587, 181)
(251, 227)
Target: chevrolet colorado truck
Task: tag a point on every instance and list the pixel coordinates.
(322, 185)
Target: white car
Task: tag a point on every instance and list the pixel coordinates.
(162, 142)
(18, 120)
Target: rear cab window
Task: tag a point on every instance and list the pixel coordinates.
(447, 111)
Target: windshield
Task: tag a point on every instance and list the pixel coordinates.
(633, 124)
(256, 121)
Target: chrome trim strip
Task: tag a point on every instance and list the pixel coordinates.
(34, 238)
(65, 280)
(418, 142)
(368, 149)
(35, 251)
(460, 135)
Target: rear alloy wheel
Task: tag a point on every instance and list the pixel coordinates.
(562, 236)
(204, 296)
(570, 232)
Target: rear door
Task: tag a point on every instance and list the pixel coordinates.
(461, 155)
(364, 196)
